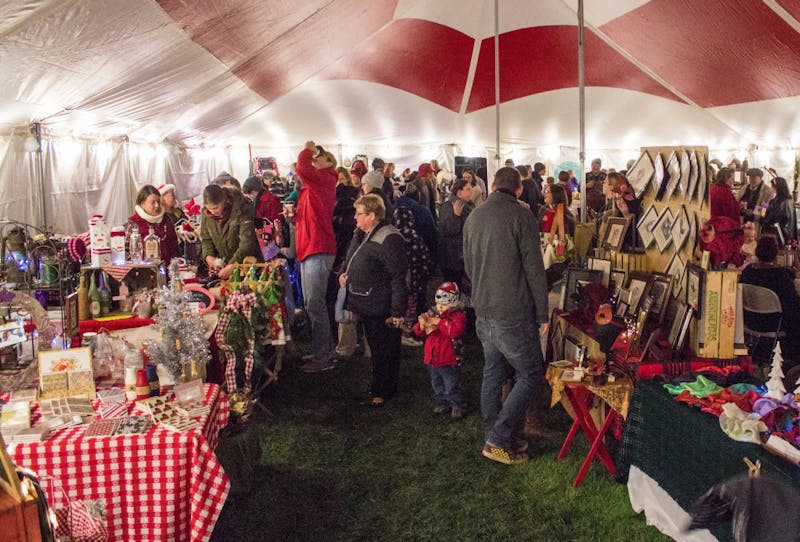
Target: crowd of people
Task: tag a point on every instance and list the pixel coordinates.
(375, 240)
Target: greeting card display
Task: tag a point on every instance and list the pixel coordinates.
(63, 373)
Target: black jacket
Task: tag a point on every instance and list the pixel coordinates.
(376, 277)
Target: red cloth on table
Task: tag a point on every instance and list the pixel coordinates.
(114, 325)
(159, 485)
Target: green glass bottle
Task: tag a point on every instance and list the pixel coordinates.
(94, 298)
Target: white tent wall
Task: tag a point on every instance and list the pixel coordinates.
(19, 194)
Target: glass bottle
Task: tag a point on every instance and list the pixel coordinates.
(135, 246)
(94, 298)
(152, 246)
(83, 299)
(105, 295)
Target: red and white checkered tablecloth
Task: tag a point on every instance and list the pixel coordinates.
(161, 485)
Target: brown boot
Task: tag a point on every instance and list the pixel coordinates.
(535, 419)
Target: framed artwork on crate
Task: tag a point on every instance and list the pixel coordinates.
(640, 174)
(702, 181)
(676, 269)
(693, 223)
(623, 302)
(660, 292)
(576, 279)
(603, 265)
(694, 288)
(679, 325)
(672, 176)
(645, 226)
(639, 284)
(614, 235)
(680, 228)
(685, 171)
(661, 230)
(617, 281)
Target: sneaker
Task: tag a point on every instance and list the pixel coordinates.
(344, 353)
(440, 409)
(408, 340)
(457, 413)
(501, 455)
(317, 367)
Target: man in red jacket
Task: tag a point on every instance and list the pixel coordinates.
(316, 246)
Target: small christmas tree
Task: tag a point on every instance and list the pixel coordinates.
(775, 387)
(183, 342)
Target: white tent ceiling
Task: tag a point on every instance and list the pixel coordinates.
(400, 71)
(410, 80)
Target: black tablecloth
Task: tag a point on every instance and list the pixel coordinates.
(684, 449)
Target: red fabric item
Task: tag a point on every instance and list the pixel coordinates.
(165, 231)
(314, 219)
(114, 325)
(268, 206)
(546, 223)
(723, 202)
(439, 350)
(159, 485)
(74, 521)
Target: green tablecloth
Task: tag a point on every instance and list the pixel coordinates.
(684, 449)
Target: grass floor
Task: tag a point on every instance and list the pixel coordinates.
(319, 466)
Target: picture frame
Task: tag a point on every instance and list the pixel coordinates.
(702, 182)
(622, 309)
(685, 171)
(680, 229)
(72, 324)
(645, 226)
(557, 340)
(694, 288)
(603, 265)
(694, 175)
(577, 276)
(640, 173)
(662, 230)
(676, 335)
(660, 292)
(617, 278)
(638, 285)
(693, 226)
(673, 176)
(676, 268)
(614, 234)
(658, 176)
(64, 373)
(573, 351)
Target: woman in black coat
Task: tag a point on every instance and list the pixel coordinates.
(375, 277)
(780, 215)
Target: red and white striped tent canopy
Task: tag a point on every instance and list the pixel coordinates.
(389, 73)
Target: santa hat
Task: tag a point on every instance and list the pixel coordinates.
(164, 188)
(447, 294)
(424, 169)
(358, 168)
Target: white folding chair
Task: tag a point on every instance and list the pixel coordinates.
(763, 316)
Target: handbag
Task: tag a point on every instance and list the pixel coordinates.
(341, 314)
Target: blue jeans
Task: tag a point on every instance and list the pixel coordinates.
(510, 348)
(314, 273)
(446, 385)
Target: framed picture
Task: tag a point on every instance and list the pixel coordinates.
(685, 171)
(639, 287)
(673, 176)
(640, 174)
(622, 309)
(573, 351)
(72, 325)
(677, 335)
(702, 181)
(63, 373)
(12, 333)
(680, 228)
(601, 265)
(658, 175)
(557, 340)
(676, 268)
(646, 224)
(576, 278)
(694, 174)
(661, 230)
(694, 288)
(617, 281)
(615, 231)
(693, 225)
(660, 292)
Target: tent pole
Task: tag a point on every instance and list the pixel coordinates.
(497, 81)
(38, 168)
(582, 111)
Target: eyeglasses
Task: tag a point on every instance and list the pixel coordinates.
(360, 213)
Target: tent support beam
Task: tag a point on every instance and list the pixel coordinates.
(38, 172)
(497, 82)
(581, 112)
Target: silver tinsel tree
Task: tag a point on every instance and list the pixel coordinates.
(182, 339)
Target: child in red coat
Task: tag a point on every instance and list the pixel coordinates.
(443, 330)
